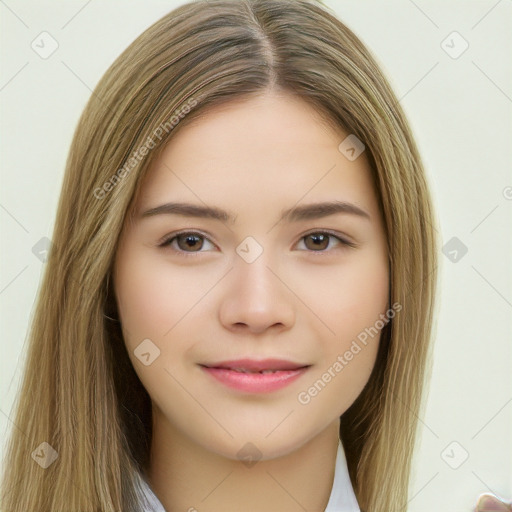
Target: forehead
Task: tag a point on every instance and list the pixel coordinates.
(268, 148)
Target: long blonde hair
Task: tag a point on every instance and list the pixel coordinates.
(79, 392)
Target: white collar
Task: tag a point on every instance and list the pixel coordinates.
(342, 498)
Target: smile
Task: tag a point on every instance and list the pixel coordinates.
(253, 376)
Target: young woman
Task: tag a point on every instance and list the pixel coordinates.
(237, 308)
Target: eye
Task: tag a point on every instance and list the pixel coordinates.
(319, 241)
(189, 242)
(186, 242)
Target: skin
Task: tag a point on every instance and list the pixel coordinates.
(254, 158)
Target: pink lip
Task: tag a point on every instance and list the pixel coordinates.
(285, 372)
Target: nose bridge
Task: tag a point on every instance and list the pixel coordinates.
(254, 279)
(255, 296)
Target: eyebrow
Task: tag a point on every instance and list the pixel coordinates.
(294, 214)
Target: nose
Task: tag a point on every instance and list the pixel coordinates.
(256, 299)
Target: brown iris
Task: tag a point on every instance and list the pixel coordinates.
(189, 242)
(320, 241)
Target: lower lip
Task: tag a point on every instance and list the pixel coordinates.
(255, 382)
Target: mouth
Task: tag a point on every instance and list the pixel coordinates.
(255, 366)
(254, 376)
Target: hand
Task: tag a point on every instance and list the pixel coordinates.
(491, 503)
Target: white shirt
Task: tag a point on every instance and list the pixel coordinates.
(342, 498)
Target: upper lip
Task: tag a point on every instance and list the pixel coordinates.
(257, 365)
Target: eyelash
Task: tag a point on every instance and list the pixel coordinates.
(167, 240)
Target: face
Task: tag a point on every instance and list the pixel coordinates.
(213, 274)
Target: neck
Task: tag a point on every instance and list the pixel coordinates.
(187, 477)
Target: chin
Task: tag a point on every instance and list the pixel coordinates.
(258, 445)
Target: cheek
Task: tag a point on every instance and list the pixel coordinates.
(364, 300)
(348, 297)
(152, 303)
(151, 299)
(350, 302)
